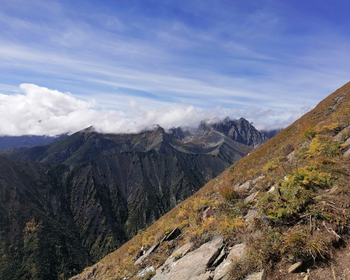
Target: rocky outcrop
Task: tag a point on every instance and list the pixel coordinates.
(193, 265)
(222, 272)
(212, 260)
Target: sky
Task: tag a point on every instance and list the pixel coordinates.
(125, 65)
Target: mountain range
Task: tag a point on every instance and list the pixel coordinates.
(65, 205)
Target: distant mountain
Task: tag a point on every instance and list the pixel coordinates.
(7, 142)
(69, 203)
(240, 131)
(86, 144)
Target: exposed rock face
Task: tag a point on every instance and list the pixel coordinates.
(240, 131)
(222, 272)
(193, 265)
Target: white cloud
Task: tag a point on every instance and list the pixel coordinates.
(41, 111)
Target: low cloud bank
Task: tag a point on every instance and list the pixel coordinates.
(41, 111)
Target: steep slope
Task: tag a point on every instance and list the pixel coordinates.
(88, 209)
(29, 231)
(283, 209)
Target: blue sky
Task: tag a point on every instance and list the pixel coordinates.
(125, 65)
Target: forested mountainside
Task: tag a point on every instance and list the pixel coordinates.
(66, 205)
(282, 212)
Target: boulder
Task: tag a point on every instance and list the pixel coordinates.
(222, 272)
(193, 265)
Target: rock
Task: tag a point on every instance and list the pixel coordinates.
(245, 186)
(347, 154)
(207, 213)
(257, 276)
(256, 180)
(250, 215)
(172, 235)
(177, 254)
(143, 272)
(194, 264)
(150, 251)
(219, 259)
(182, 250)
(222, 272)
(344, 133)
(251, 197)
(205, 276)
(306, 277)
(294, 267)
(291, 156)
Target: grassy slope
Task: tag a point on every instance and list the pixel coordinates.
(305, 222)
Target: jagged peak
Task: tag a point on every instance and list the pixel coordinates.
(90, 128)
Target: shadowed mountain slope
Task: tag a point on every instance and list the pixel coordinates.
(68, 204)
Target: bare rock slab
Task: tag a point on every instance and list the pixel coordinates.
(194, 264)
(178, 253)
(222, 272)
